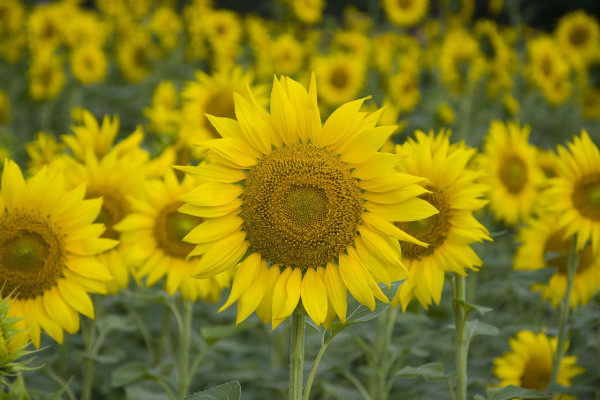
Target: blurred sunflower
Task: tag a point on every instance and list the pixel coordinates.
(445, 114)
(5, 109)
(459, 60)
(453, 190)
(529, 363)
(578, 36)
(459, 12)
(164, 114)
(403, 87)
(47, 243)
(166, 26)
(355, 44)
(544, 245)
(405, 12)
(134, 53)
(286, 55)
(548, 70)
(46, 75)
(588, 79)
(45, 150)
(575, 194)
(44, 27)
(88, 64)
(153, 233)
(311, 207)
(340, 77)
(308, 11)
(512, 171)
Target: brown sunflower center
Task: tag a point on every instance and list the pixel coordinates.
(579, 36)
(536, 375)
(300, 206)
(32, 254)
(171, 227)
(339, 78)
(405, 4)
(586, 196)
(432, 230)
(557, 249)
(219, 104)
(114, 209)
(513, 173)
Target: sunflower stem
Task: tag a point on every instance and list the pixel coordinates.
(460, 343)
(184, 346)
(313, 371)
(564, 314)
(89, 338)
(297, 356)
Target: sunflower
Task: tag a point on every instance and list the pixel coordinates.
(305, 210)
(45, 150)
(403, 87)
(286, 55)
(575, 194)
(88, 64)
(405, 12)
(134, 53)
(578, 35)
(308, 11)
(544, 245)
(355, 44)
(512, 171)
(529, 363)
(154, 232)
(340, 77)
(459, 60)
(548, 69)
(164, 114)
(5, 109)
(46, 75)
(453, 190)
(445, 114)
(166, 25)
(44, 27)
(47, 244)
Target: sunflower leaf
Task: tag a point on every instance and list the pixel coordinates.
(431, 371)
(227, 391)
(129, 373)
(476, 328)
(510, 392)
(469, 307)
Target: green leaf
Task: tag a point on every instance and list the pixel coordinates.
(510, 392)
(476, 328)
(468, 307)
(213, 334)
(129, 373)
(227, 391)
(425, 371)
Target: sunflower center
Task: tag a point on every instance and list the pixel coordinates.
(300, 206)
(171, 227)
(513, 174)
(432, 230)
(32, 254)
(219, 104)
(557, 249)
(586, 196)
(579, 36)
(114, 209)
(536, 375)
(339, 78)
(405, 4)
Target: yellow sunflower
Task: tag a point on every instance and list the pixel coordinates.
(513, 174)
(459, 12)
(340, 77)
(308, 11)
(405, 12)
(575, 194)
(304, 210)
(45, 150)
(355, 44)
(164, 114)
(286, 55)
(548, 69)
(544, 245)
(578, 35)
(529, 363)
(403, 87)
(88, 64)
(154, 232)
(48, 243)
(5, 109)
(134, 53)
(459, 60)
(167, 26)
(46, 75)
(453, 190)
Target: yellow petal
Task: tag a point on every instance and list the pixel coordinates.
(292, 296)
(264, 309)
(365, 144)
(214, 229)
(76, 297)
(410, 210)
(212, 194)
(355, 280)
(314, 296)
(211, 212)
(224, 254)
(337, 292)
(59, 311)
(246, 274)
(253, 296)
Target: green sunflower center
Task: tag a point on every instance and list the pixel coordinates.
(219, 104)
(536, 375)
(513, 174)
(32, 254)
(586, 196)
(300, 206)
(114, 209)
(171, 227)
(432, 230)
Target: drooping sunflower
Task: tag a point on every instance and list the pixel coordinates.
(405, 12)
(48, 243)
(544, 245)
(153, 233)
(578, 35)
(453, 190)
(575, 194)
(513, 174)
(340, 77)
(529, 363)
(304, 210)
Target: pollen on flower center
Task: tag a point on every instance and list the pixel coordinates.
(432, 230)
(513, 173)
(586, 196)
(32, 254)
(170, 228)
(300, 206)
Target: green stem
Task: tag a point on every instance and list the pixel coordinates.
(297, 356)
(313, 371)
(184, 346)
(460, 343)
(89, 339)
(564, 314)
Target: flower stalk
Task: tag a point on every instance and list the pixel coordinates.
(297, 355)
(460, 319)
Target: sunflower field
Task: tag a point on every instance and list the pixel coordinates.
(290, 199)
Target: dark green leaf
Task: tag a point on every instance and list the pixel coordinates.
(477, 328)
(468, 307)
(432, 372)
(129, 373)
(510, 392)
(227, 391)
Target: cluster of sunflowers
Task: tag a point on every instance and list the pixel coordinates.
(288, 193)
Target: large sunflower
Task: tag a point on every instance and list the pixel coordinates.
(305, 209)
(543, 245)
(512, 171)
(153, 234)
(47, 248)
(453, 190)
(529, 363)
(575, 195)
